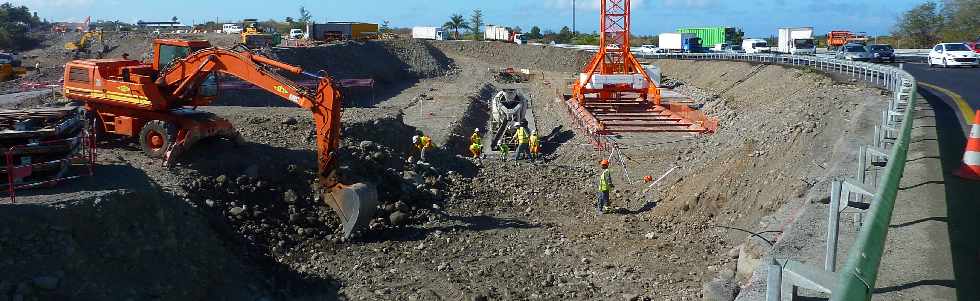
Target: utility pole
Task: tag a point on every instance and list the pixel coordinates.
(573, 18)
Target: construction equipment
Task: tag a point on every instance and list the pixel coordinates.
(42, 147)
(342, 31)
(84, 45)
(614, 93)
(508, 108)
(153, 102)
(10, 67)
(838, 38)
(254, 37)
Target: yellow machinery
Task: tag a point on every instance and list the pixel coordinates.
(84, 44)
(8, 72)
(254, 37)
(10, 67)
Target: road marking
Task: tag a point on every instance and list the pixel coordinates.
(965, 108)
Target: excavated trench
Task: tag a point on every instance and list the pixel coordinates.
(246, 222)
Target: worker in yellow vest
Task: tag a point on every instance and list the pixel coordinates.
(476, 143)
(605, 184)
(535, 145)
(520, 137)
(423, 143)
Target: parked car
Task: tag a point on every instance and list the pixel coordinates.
(975, 46)
(882, 52)
(730, 49)
(953, 54)
(651, 49)
(9, 58)
(853, 52)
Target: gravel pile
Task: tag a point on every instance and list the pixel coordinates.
(269, 195)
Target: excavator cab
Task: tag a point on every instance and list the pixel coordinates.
(167, 51)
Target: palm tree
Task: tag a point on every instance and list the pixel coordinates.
(456, 22)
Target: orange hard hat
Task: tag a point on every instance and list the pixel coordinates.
(604, 162)
(648, 179)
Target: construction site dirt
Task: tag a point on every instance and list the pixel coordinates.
(243, 223)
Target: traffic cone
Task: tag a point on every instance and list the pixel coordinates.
(971, 157)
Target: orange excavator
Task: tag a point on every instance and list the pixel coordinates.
(154, 102)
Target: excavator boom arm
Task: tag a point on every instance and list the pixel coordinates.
(355, 204)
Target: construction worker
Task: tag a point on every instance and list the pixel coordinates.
(605, 184)
(422, 143)
(504, 150)
(475, 143)
(535, 145)
(520, 137)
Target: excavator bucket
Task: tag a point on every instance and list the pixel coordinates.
(355, 204)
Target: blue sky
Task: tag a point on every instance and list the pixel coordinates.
(757, 17)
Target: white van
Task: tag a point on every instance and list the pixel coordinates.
(231, 28)
(295, 34)
(755, 46)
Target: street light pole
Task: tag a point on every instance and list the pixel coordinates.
(573, 17)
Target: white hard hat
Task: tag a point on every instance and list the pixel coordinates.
(476, 130)
(517, 123)
(534, 132)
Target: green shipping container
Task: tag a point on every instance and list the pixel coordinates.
(711, 35)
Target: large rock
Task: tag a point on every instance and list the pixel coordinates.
(749, 257)
(398, 218)
(290, 196)
(722, 288)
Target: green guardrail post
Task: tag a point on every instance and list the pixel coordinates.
(860, 271)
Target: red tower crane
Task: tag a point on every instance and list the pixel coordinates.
(614, 92)
(614, 63)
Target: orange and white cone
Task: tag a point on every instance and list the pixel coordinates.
(971, 157)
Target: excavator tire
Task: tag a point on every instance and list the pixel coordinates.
(156, 136)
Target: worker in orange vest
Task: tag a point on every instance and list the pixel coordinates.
(605, 184)
(535, 145)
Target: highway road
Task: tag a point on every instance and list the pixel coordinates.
(958, 87)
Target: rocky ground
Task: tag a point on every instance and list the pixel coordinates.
(454, 228)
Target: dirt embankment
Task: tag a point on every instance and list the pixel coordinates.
(518, 56)
(393, 64)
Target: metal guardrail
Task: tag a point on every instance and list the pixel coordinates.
(889, 151)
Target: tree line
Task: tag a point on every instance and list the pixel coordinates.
(459, 27)
(15, 23)
(932, 22)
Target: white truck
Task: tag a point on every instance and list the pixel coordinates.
(755, 46)
(231, 28)
(500, 33)
(796, 40)
(429, 33)
(680, 42)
